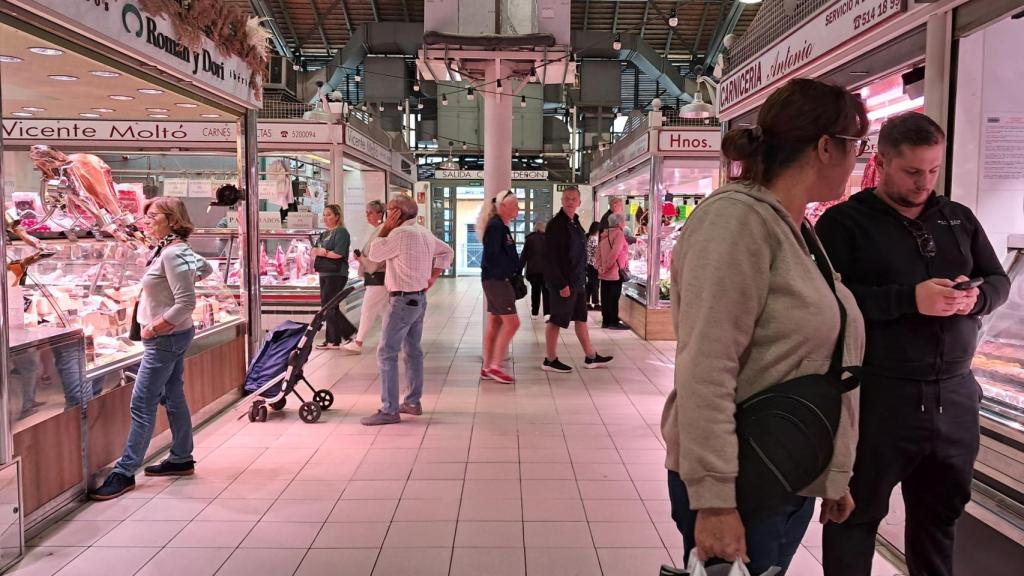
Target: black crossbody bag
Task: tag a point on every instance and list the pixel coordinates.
(787, 432)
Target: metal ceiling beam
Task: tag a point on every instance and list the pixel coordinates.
(348, 21)
(376, 14)
(615, 17)
(320, 26)
(264, 11)
(724, 28)
(672, 31)
(586, 14)
(700, 29)
(288, 22)
(405, 9)
(647, 9)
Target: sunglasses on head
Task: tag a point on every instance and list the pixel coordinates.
(925, 242)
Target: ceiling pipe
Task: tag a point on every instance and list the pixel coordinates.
(591, 44)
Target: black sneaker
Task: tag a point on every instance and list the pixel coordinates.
(555, 366)
(616, 326)
(115, 485)
(167, 468)
(597, 361)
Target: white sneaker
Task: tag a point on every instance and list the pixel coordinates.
(352, 347)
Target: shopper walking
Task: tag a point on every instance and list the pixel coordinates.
(566, 278)
(593, 281)
(533, 262)
(414, 260)
(164, 313)
(331, 263)
(375, 295)
(612, 260)
(903, 249)
(499, 264)
(754, 313)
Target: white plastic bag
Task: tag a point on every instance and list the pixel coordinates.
(738, 568)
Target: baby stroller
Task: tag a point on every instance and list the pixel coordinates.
(277, 368)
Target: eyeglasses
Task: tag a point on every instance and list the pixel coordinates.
(862, 143)
(925, 242)
(152, 215)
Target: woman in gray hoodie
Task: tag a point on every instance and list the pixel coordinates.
(756, 312)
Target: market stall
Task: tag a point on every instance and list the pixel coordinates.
(76, 249)
(927, 56)
(662, 173)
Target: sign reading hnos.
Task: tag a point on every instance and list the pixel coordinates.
(689, 141)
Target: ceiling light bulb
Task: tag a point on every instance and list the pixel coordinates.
(63, 77)
(158, 115)
(469, 95)
(380, 106)
(358, 78)
(533, 74)
(210, 115)
(156, 109)
(107, 110)
(46, 51)
(104, 74)
(617, 44)
(498, 85)
(89, 115)
(416, 86)
(673, 20)
(122, 98)
(9, 59)
(33, 109)
(465, 146)
(153, 91)
(522, 101)
(21, 114)
(419, 105)
(444, 100)
(400, 107)
(186, 105)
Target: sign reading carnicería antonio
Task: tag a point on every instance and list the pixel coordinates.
(125, 26)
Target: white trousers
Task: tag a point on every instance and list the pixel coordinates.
(374, 299)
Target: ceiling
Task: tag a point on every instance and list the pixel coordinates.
(29, 84)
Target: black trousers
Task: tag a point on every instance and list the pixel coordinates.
(537, 293)
(611, 290)
(593, 286)
(337, 326)
(923, 435)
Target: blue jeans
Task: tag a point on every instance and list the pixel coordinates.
(402, 330)
(159, 379)
(772, 539)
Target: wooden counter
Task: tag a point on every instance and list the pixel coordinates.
(648, 323)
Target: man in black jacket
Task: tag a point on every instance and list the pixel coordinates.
(902, 250)
(565, 276)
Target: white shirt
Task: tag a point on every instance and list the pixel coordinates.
(411, 253)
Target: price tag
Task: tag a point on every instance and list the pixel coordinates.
(200, 188)
(270, 220)
(301, 220)
(269, 189)
(176, 187)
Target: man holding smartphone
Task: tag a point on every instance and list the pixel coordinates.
(923, 272)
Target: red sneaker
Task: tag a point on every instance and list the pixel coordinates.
(500, 376)
(485, 374)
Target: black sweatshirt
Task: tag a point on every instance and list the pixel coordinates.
(878, 257)
(500, 261)
(565, 248)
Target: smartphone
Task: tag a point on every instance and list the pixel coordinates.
(968, 284)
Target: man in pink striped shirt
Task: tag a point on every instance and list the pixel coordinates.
(415, 259)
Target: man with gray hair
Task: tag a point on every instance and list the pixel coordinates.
(374, 295)
(414, 259)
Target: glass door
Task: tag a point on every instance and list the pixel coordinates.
(442, 218)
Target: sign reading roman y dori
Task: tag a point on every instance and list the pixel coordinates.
(124, 25)
(834, 25)
(364, 144)
(34, 131)
(479, 174)
(689, 141)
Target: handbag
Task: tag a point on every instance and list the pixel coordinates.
(787, 432)
(135, 330)
(623, 273)
(518, 286)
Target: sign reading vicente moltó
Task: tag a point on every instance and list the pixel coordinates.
(125, 26)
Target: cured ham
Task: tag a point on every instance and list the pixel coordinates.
(280, 263)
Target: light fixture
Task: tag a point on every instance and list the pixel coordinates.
(750, 1)
(618, 113)
(357, 78)
(884, 97)
(522, 101)
(416, 86)
(21, 114)
(33, 109)
(210, 115)
(107, 110)
(363, 106)
(533, 74)
(470, 95)
(419, 105)
(104, 74)
(63, 77)
(498, 85)
(380, 106)
(895, 108)
(158, 115)
(9, 59)
(465, 146)
(296, 67)
(444, 100)
(400, 107)
(858, 72)
(617, 43)
(46, 51)
(698, 108)
(186, 105)
(89, 115)
(153, 91)
(673, 20)
(122, 98)
(157, 110)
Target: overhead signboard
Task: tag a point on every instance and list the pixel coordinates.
(164, 133)
(368, 146)
(689, 141)
(622, 155)
(478, 174)
(831, 27)
(126, 26)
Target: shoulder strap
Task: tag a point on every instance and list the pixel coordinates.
(818, 255)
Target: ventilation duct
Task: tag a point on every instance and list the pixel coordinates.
(590, 44)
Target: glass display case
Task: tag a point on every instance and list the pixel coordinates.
(999, 360)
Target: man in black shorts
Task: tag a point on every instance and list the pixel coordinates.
(566, 278)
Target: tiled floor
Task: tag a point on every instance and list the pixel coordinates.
(560, 474)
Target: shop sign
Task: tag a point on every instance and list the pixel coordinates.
(176, 187)
(275, 133)
(300, 220)
(402, 165)
(478, 174)
(270, 220)
(837, 23)
(124, 25)
(620, 158)
(164, 132)
(364, 144)
(689, 141)
(200, 188)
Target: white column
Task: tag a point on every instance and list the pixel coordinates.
(497, 132)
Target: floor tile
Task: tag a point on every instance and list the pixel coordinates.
(432, 490)
(427, 510)
(491, 489)
(351, 535)
(543, 510)
(74, 533)
(550, 489)
(601, 471)
(420, 535)
(44, 561)
(282, 535)
(616, 511)
(483, 509)
(194, 487)
(235, 510)
(547, 471)
(117, 509)
(109, 561)
(215, 534)
(186, 561)
(322, 490)
(557, 535)
(489, 561)
(298, 511)
(632, 561)
(265, 562)
(492, 471)
(338, 562)
(438, 471)
(562, 562)
(363, 511)
(489, 535)
(625, 535)
(171, 509)
(421, 562)
(370, 490)
(258, 489)
(142, 533)
(607, 490)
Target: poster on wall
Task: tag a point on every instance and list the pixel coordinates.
(1002, 161)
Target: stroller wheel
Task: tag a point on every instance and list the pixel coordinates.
(309, 412)
(254, 413)
(261, 414)
(324, 398)
(280, 404)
